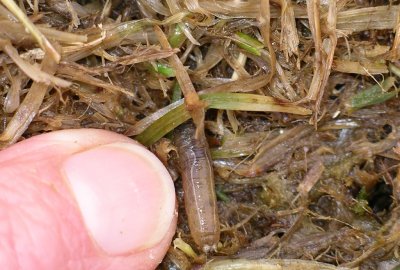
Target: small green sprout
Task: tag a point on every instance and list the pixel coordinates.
(248, 43)
(176, 92)
(177, 37)
(375, 94)
(361, 205)
(222, 195)
(163, 69)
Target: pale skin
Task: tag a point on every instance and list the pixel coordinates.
(84, 199)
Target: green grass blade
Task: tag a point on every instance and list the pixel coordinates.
(177, 37)
(165, 70)
(373, 95)
(176, 92)
(251, 102)
(157, 127)
(248, 43)
(163, 125)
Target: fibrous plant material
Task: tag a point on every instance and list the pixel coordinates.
(295, 105)
(40, 38)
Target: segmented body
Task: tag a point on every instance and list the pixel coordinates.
(199, 189)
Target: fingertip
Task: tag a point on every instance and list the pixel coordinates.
(124, 194)
(109, 203)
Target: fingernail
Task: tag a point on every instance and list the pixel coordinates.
(125, 195)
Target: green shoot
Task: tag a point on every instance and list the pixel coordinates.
(176, 92)
(158, 127)
(248, 43)
(177, 37)
(222, 196)
(163, 69)
(375, 94)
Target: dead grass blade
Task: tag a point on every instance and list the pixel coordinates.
(32, 71)
(289, 41)
(192, 100)
(264, 19)
(29, 107)
(364, 68)
(40, 38)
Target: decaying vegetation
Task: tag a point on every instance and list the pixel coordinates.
(298, 101)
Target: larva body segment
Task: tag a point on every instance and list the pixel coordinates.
(198, 185)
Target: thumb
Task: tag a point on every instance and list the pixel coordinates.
(84, 199)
